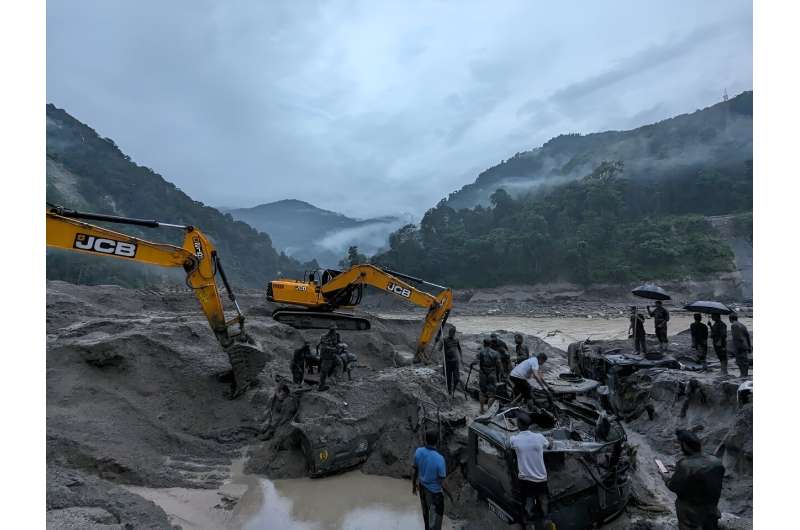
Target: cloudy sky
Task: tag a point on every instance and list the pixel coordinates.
(372, 108)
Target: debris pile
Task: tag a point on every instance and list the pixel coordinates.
(134, 398)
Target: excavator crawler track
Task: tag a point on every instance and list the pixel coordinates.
(303, 319)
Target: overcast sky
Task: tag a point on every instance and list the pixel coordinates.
(377, 107)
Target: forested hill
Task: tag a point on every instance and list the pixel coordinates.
(306, 232)
(717, 138)
(85, 171)
(603, 228)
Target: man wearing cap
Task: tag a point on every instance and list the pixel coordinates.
(327, 348)
(697, 482)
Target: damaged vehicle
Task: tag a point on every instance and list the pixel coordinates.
(588, 464)
(625, 379)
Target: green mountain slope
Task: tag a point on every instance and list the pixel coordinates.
(717, 138)
(607, 207)
(85, 171)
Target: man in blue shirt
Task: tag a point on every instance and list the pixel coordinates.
(429, 474)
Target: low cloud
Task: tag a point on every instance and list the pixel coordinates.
(376, 108)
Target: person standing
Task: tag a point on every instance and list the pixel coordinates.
(328, 348)
(636, 330)
(428, 477)
(660, 317)
(697, 482)
(453, 359)
(699, 333)
(719, 339)
(488, 373)
(500, 346)
(297, 365)
(523, 352)
(529, 447)
(741, 344)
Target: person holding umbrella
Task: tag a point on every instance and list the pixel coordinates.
(651, 291)
(660, 317)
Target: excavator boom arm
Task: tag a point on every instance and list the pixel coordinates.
(438, 306)
(197, 257)
(380, 279)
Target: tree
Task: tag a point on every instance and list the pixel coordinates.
(354, 257)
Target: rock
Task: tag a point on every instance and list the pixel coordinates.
(82, 517)
(728, 521)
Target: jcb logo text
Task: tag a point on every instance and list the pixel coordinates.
(399, 289)
(104, 245)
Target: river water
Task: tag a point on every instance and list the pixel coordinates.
(560, 332)
(353, 500)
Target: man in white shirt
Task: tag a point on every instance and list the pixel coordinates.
(531, 472)
(529, 368)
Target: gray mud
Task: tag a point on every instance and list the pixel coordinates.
(134, 404)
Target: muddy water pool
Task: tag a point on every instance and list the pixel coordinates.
(349, 501)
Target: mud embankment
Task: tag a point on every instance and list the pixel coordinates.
(133, 401)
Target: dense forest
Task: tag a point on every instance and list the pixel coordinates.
(603, 227)
(85, 171)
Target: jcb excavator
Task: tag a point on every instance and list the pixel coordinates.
(322, 292)
(197, 257)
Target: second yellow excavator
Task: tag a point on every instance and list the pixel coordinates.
(320, 293)
(68, 229)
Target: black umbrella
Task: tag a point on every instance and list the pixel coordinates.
(712, 308)
(651, 291)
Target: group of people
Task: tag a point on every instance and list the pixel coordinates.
(696, 479)
(495, 366)
(331, 354)
(741, 345)
(660, 317)
(429, 474)
(716, 329)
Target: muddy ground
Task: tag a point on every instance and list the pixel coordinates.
(133, 400)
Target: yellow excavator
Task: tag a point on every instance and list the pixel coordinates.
(67, 229)
(319, 295)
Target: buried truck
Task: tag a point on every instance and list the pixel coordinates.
(588, 467)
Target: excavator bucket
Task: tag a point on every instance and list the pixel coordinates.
(247, 361)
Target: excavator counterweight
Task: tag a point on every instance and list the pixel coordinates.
(67, 229)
